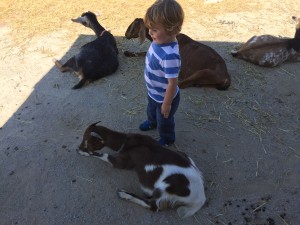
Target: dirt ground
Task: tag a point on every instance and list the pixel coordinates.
(246, 140)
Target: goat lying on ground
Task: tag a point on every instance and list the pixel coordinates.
(96, 59)
(200, 65)
(168, 178)
(270, 51)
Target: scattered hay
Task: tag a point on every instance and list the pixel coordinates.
(136, 110)
(249, 112)
(287, 72)
(286, 223)
(35, 19)
(253, 72)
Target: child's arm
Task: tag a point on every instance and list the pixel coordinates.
(170, 92)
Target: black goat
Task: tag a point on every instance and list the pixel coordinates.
(96, 59)
(169, 178)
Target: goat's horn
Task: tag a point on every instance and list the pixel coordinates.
(94, 124)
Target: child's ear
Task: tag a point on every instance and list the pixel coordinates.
(142, 34)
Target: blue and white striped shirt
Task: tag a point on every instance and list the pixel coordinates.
(162, 62)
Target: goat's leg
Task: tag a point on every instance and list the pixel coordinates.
(200, 78)
(82, 80)
(156, 205)
(81, 83)
(70, 65)
(103, 156)
(58, 65)
(114, 161)
(203, 78)
(134, 54)
(146, 203)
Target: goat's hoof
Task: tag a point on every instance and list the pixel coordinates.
(123, 195)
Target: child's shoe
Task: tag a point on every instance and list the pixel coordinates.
(162, 142)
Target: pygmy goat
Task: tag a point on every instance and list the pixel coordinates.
(168, 178)
(201, 65)
(270, 51)
(96, 59)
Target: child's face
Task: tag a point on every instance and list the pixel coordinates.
(160, 35)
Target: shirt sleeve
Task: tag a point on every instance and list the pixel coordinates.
(171, 65)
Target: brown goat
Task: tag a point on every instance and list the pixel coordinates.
(270, 51)
(168, 178)
(201, 65)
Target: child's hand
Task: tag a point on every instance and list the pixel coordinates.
(165, 110)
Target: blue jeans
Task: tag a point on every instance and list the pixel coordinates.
(165, 126)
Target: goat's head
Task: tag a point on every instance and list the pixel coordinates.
(297, 20)
(136, 29)
(97, 137)
(86, 19)
(91, 141)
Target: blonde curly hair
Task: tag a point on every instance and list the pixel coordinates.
(167, 13)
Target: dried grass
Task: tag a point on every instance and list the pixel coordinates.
(30, 19)
(246, 109)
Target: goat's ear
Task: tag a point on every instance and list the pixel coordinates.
(80, 19)
(94, 134)
(142, 34)
(297, 21)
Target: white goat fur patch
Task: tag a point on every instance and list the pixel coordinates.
(196, 198)
(83, 153)
(103, 157)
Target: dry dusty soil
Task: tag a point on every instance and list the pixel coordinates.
(246, 140)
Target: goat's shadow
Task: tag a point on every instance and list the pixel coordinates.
(40, 169)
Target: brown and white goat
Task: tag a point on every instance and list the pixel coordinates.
(201, 65)
(168, 178)
(270, 51)
(96, 59)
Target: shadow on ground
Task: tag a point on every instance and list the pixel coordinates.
(245, 140)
